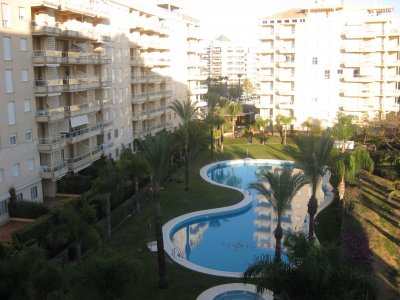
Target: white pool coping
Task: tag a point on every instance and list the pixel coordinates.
(170, 225)
(211, 293)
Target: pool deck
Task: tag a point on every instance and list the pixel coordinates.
(220, 289)
(171, 250)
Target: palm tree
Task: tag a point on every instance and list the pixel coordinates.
(347, 165)
(233, 110)
(282, 122)
(186, 112)
(133, 167)
(158, 151)
(314, 271)
(260, 124)
(344, 129)
(311, 155)
(283, 187)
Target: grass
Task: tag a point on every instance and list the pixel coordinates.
(131, 237)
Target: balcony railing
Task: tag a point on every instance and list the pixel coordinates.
(80, 109)
(86, 132)
(359, 78)
(85, 58)
(47, 56)
(50, 114)
(50, 144)
(139, 98)
(53, 172)
(76, 163)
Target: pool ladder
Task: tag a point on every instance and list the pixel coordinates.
(176, 252)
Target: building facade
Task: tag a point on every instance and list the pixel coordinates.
(317, 62)
(84, 79)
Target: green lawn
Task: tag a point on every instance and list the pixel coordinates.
(131, 237)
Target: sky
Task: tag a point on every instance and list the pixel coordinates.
(238, 19)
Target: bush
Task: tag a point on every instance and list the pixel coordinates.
(388, 173)
(35, 230)
(74, 184)
(26, 209)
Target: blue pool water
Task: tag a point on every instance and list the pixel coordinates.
(229, 241)
(238, 295)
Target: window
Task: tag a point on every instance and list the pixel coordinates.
(3, 207)
(16, 170)
(116, 133)
(108, 136)
(314, 99)
(34, 193)
(20, 197)
(119, 55)
(23, 44)
(22, 13)
(27, 105)
(13, 139)
(5, 15)
(11, 113)
(9, 81)
(327, 74)
(28, 135)
(1, 175)
(315, 60)
(340, 71)
(31, 164)
(7, 48)
(25, 75)
(117, 152)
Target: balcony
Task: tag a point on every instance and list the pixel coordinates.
(137, 61)
(46, 28)
(51, 144)
(391, 93)
(266, 49)
(82, 109)
(265, 104)
(197, 77)
(48, 3)
(53, 172)
(193, 33)
(391, 78)
(157, 62)
(48, 86)
(358, 63)
(285, 50)
(286, 35)
(358, 105)
(360, 34)
(285, 105)
(286, 64)
(106, 126)
(266, 77)
(391, 47)
(285, 77)
(81, 134)
(267, 64)
(360, 49)
(393, 32)
(139, 98)
(266, 92)
(78, 163)
(200, 90)
(105, 81)
(50, 114)
(92, 9)
(105, 103)
(282, 91)
(81, 83)
(359, 78)
(137, 78)
(139, 116)
(158, 95)
(362, 93)
(266, 36)
(46, 57)
(156, 112)
(85, 58)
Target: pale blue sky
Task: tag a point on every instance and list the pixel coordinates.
(238, 19)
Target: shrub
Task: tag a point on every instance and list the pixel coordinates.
(35, 230)
(74, 184)
(26, 209)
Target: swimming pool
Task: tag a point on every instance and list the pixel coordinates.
(225, 241)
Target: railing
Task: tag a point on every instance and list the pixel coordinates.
(52, 169)
(88, 129)
(50, 111)
(46, 53)
(52, 140)
(83, 156)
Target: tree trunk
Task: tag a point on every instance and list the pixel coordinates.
(284, 136)
(222, 138)
(78, 248)
(312, 210)
(108, 215)
(278, 237)
(137, 194)
(212, 141)
(162, 283)
(186, 161)
(233, 127)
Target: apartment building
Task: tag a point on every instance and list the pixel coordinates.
(229, 59)
(84, 79)
(316, 62)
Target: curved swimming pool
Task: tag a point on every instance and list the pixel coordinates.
(224, 241)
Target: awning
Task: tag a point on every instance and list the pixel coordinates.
(78, 121)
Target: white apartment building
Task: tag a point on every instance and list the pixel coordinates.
(316, 62)
(229, 59)
(84, 78)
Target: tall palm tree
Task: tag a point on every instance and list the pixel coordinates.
(344, 129)
(158, 151)
(284, 121)
(311, 155)
(233, 110)
(186, 111)
(283, 186)
(133, 167)
(347, 165)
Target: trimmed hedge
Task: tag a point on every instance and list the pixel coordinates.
(26, 209)
(35, 230)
